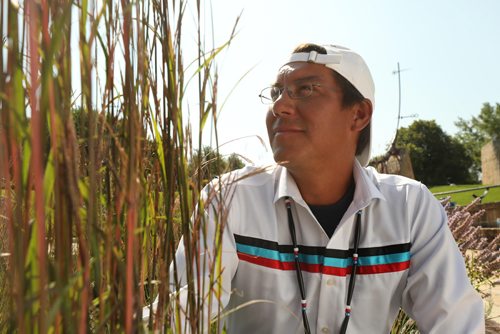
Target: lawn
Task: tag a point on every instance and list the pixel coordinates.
(465, 197)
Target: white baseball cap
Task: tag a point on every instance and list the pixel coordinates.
(353, 68)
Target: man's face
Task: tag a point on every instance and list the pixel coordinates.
(313, 132)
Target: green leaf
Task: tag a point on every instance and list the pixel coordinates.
(205, 116)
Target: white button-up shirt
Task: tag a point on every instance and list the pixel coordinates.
(407, 258)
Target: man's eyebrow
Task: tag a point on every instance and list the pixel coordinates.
(300, 79)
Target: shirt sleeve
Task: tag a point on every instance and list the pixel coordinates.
(438, 294)
(214, 260)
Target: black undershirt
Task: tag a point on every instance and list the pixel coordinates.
(329, 216)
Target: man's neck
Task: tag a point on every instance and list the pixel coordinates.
(325, 186)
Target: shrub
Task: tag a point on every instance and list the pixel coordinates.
(482, 257)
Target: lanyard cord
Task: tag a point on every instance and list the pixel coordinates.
(298, 271)
(352, 279)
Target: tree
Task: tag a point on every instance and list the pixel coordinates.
(213, 163)
(234, 162)
(437, 158)
(477, 131)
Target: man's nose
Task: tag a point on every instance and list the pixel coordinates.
(284, 104)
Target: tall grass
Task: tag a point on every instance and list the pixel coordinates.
(94, 150)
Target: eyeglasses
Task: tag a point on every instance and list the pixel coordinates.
(298, 91)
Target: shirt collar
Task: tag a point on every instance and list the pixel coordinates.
(366, 188)
(285, 186)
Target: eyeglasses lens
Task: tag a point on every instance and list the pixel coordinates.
(269, 95)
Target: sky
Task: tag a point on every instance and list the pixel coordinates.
(449, 53)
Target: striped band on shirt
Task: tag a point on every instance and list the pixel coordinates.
(373, 260)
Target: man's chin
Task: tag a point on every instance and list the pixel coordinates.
(282, 159)
(286, 156)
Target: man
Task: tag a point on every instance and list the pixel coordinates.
(321, 244)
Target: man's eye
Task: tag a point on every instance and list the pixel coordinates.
(275, 93)
(303, 90)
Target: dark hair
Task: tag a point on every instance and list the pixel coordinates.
(350, 95)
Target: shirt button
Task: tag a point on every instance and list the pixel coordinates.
(330, 282)
(325, 330)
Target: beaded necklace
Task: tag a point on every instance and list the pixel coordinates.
(300, 279)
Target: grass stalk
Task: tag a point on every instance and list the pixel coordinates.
(96, 184)
(37, 169)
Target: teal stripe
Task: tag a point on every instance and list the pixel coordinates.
(311, 259)
(262, 252)
(319, 259)
(384, 259)
(275, 255)
(368, 260)
(337, 263)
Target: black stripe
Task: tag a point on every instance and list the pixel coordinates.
(310, 250)
(273, 245)
(389, 249)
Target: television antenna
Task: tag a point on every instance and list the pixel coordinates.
(382, 163)
(398, 72)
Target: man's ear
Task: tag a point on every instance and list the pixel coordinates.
(362, 114)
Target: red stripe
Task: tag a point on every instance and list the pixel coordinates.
(262, 261)
(367, 270)
(336, 271)
(383, 268)
(316, 268)
(312, 268)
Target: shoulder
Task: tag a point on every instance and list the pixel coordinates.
(248, 177)
(400, 187)
(252, 175)
(414, 196)
(391, 182)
